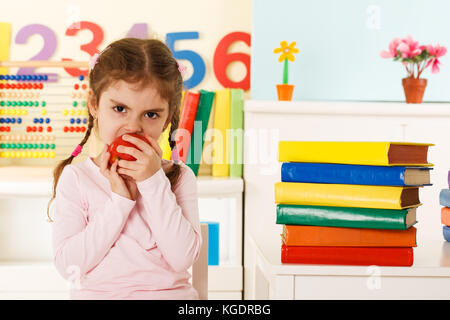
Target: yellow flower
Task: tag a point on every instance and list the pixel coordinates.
(287, 51)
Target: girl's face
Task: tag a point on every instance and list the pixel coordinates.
(126, 108)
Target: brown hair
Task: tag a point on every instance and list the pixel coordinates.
(139, 61)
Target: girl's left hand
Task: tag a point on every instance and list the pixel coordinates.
(148, 161)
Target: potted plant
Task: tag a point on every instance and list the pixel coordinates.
(285, 89)
(415, 58)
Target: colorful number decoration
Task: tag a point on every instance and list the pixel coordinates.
(138, 30)
(222, 59)
(194, 58)
(47, 50)
(91, 48)
(5, 39)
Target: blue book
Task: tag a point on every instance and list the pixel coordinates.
(446, 232)
(355, 174)
(444, 197)
(213, 243)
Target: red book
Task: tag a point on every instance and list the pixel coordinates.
(359, 256)
(186, 125)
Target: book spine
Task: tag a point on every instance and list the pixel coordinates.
(444, 197)
(364, 153)
(342, 195)
(341, 217)
(200, 125)
(342, 174)
(445, 216)
(236, 132)
(347, 237)
(348, 256)
(446, 233)
(220, 166)
(186, 125)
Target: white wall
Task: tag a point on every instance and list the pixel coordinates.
(212, 19)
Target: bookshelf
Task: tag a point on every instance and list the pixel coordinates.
(335, 121)
(26, 267)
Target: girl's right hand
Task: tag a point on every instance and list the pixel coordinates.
(117, 183)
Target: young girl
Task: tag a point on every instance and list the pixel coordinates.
(131, 230)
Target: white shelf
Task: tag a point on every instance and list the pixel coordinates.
(431, 259)
(348, 108)
(35, 276)
(38, 182)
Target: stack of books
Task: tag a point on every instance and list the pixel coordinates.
(444, 200)
(350, 203)
(210, 135)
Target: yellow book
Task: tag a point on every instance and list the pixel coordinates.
(362, 153)
(346, 195)
(220, 166)
(164, 138)
(164, 143)
(5, 41)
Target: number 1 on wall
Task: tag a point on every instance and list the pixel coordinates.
(5, 40)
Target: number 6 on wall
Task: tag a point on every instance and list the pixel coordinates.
(191, 56)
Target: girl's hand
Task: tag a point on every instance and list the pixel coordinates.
(118, 184)
(148, 161)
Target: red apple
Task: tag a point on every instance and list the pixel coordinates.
(114, 154)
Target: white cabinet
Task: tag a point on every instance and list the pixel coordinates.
(26, 268)
(267, 122)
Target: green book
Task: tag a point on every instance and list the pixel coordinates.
(198, 132)
(236, 132)
(349, 217)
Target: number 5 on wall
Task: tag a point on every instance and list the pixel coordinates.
(191, 56)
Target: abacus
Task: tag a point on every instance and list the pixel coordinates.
(42, 116)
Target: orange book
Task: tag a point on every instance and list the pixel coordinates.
(445, 216)
(299, 235)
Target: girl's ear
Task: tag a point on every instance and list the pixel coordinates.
(92, 103)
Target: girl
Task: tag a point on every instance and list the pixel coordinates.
(129, 231)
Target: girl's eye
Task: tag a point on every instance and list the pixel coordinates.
(152, 115)
(119, 108)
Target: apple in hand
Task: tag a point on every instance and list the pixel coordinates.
(114, 154)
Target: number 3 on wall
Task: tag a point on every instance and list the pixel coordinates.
(193, 57)
(91, 48)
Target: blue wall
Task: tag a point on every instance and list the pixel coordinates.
(340, 42)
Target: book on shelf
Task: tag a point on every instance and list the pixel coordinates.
(363, 153)
(220, 165)
(365, 256)
(205, 167)
(355, 174)
(184, 132)
(164, 144)
(445, 216)
(446, 232)
(312, 236)
(444, 197)
(349, 217)
(345, 195)
(200, 125)
(164, 139)
(236, 142)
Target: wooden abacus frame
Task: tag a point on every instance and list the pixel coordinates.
(48, 64)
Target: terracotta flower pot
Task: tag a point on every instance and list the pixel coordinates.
(414, 89)
(285, 92)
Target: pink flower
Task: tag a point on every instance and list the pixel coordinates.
(436, 52)
(410, 48)
(392, 53)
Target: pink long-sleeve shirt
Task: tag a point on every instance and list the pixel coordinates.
(111, 247)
